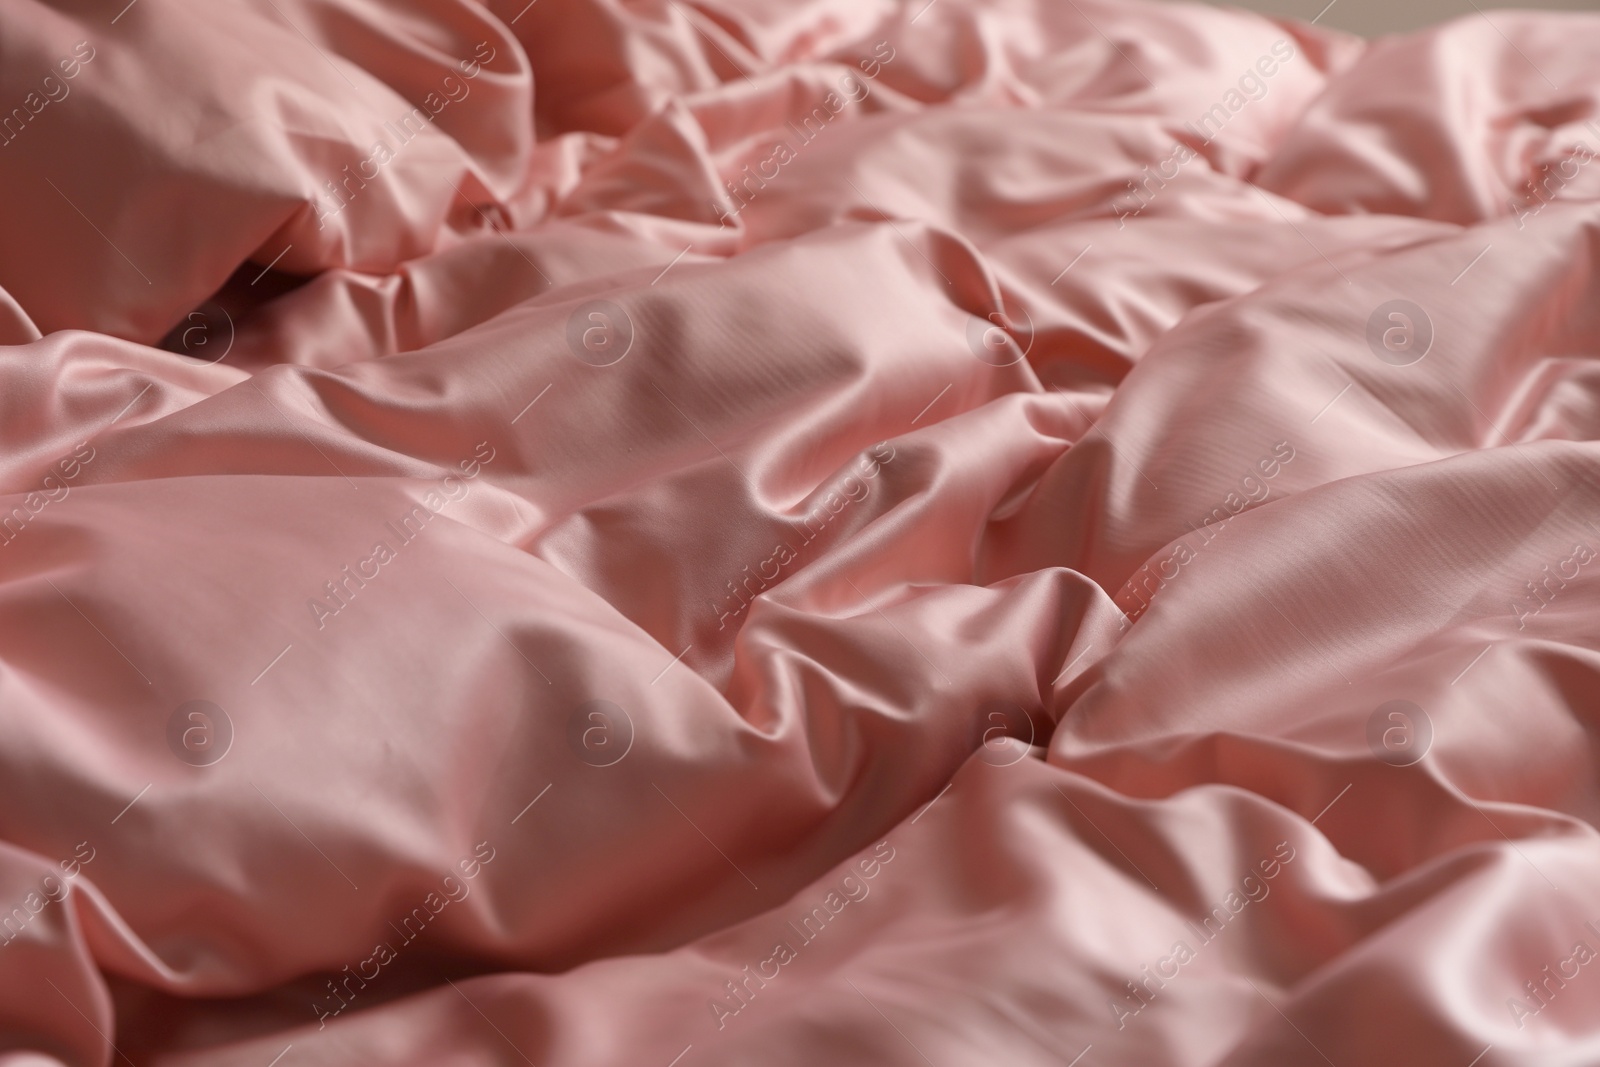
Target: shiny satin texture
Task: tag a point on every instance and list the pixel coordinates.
(835, 532)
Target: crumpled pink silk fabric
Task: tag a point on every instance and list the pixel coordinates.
(803, 533)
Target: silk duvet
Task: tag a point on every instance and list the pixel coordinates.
(719, 532)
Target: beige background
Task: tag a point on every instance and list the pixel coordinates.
(1374, 17)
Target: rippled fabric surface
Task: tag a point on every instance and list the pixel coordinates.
(698, 532)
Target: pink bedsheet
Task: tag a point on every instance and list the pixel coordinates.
(694, 532)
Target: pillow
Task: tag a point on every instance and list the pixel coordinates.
(159, 148)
